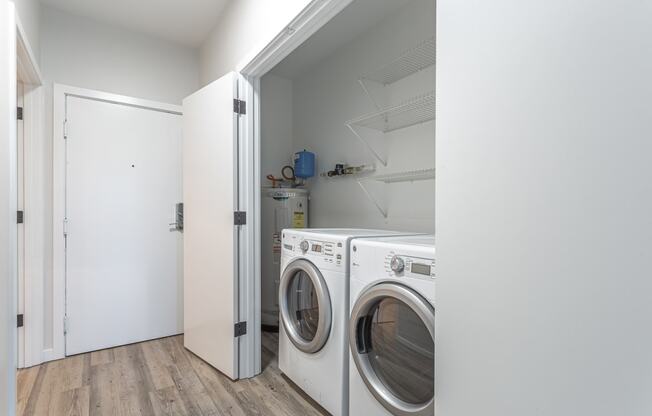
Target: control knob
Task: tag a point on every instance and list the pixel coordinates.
(397, 264)
(304, 246)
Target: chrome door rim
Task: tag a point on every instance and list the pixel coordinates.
(365, 302)
(323, 301)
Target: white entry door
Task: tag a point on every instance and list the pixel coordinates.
(123, 260)
(210, 165)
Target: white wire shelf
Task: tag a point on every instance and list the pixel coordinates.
(374, 187)
(411, 61)
(417, 110)
(407, 176)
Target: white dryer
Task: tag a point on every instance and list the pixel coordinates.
(314, 304)
(391, 328)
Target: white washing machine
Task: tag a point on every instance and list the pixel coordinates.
(392, 326)
(314, 304)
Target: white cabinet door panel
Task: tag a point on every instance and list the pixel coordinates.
(209, 182)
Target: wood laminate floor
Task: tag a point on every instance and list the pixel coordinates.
(156, 378)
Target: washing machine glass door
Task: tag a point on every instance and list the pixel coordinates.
(305, 306)
(391, 335)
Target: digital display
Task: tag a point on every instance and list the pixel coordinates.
(421, 269)
(316, 248)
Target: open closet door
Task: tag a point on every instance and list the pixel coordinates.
(210, 195)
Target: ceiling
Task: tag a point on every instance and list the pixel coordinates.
(353, 21)
(186, 22)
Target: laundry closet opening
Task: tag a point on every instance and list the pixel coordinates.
(347, 132)
(347, 154)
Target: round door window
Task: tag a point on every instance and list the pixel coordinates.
(392, 341)
(305, 306)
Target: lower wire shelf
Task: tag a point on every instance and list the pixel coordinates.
(406, 176)
(384, 179)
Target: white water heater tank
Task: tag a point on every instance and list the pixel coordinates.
(281, 208)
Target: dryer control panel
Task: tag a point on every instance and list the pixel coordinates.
(397, 265)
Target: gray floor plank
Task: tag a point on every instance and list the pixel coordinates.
(158, 377)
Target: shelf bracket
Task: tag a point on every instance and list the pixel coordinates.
(367, 92)
(379, 202)
(378, 154)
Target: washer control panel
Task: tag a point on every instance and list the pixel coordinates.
(328, 252)
(397, 265)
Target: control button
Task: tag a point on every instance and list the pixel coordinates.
(304, 246)
(397, 264)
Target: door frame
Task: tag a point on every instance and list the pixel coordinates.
(31, 276)
(258, 63)
(61, 92)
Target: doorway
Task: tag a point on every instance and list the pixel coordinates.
(358, 93)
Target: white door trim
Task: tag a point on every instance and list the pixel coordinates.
(249, 362)
(34, 180)
(315, 15)
(59, 195)
(28, 69)
(32, 229)
(20, 205)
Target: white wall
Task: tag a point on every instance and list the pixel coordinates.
(85, 53)
(276, 120)
(29, 13)
(328, 95)
(244, 26)
(8, 227)
(544, 232)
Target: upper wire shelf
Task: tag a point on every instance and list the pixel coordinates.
(411, 61)
(414, 111)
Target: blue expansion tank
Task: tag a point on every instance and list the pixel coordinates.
(304, 164)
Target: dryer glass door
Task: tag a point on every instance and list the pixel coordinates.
(303, 301)
(305, 306)
(392, 343)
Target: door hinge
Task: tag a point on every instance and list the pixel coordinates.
(65, 325)
(65, 227)
(179, 216)
(240, 329)
(20, 320)
(239, 218)
(19, 113)
(20, 217)
(239, 106)
(65, 129)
